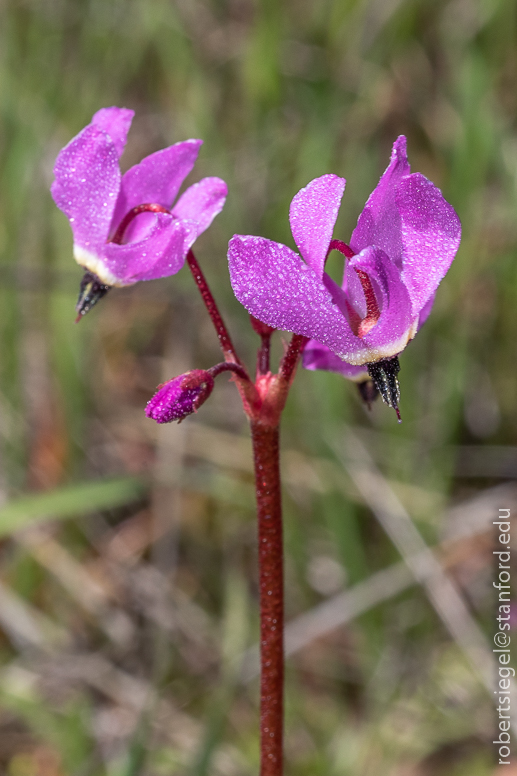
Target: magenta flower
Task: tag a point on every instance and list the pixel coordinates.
(125, 226)
(403, 244)
(180, 397)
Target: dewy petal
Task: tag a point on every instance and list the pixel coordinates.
(396, 324)
(431, 233)
(86, 186)
(313, 215)
(425, 312)
(116, 123)
(202, 202)
(318, 356)
(279, 289)
(161, 254)
(157, 179)
(379, 224)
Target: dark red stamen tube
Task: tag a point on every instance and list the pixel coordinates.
(342, 247)
(133, 213)
(360, 327)
(372, 308)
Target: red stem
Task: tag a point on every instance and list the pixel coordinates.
(263, 354)
(213, 311)
(270, 555)
(229, 366)
(290, 360)
(265, 332)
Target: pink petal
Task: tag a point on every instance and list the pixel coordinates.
(379, 224)
(425, 312)
(396, 325)
(313, 215)
(318, 356)
(116, 123)
(157, 179)
(431, 233)
(279, 289)
(87, 184)
(202, 202)
(161, 254)
(139, 228)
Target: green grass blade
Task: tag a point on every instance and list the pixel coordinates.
(70, 501)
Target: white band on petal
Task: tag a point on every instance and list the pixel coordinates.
(95, 264)
(388, 350)
(359, 378)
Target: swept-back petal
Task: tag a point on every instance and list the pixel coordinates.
(313, 215)
(279, 289)
(87, 184)
(425, 312)
(431, 233)
(161, 254)
(396, 324)
(116, 123)
(318, 356)
(379, 224)
(202, 202)
(157, 179)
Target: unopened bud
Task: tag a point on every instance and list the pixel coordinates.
(180, 397)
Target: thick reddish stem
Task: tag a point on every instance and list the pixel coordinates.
(213, 311)
(270, 553)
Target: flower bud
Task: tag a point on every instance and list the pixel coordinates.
(180, 397)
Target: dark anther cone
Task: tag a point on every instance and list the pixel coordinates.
(90, 292)
(384, 375)
(368, 392)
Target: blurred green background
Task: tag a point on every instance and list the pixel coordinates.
(128, 596)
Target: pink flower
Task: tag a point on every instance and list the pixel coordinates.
(403, 244)
(116, 239)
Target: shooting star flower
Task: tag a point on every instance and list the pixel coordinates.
(125, 227)
(403, 245)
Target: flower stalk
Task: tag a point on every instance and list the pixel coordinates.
(265, 333)
(212, 309)
(263, 402)
(271, 586)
